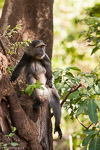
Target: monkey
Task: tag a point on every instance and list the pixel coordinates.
(37, 66)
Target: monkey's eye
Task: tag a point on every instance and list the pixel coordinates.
(42, 46)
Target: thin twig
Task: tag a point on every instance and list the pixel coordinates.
(89, 125)
(73, 89)
(81, 123)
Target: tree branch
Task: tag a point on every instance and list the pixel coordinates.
(81, 123)
(73, 89)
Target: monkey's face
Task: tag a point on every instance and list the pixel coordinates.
(39, 52)
(37, 49)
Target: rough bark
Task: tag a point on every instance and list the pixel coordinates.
(34, 130)
(36, 17)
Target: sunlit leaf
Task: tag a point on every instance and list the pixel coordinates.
(92, 110)
(85, 147)
(81, 108)
(86, 140)
(98, 103)
(7, 28)
(74, 68)
(95, 144)
(94, 50)
(74, 95)
(89, 131)
(14, 144)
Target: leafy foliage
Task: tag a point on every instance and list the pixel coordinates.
(30, 88)
(82, 102)
(13, 47)
(11, 144)
(10, 69)
(95, 143)
(93, 33)
(92, 108)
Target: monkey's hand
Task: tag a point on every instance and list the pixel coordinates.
(49, 83)
(57, 129)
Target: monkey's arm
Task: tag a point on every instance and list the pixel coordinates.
(19, 67)
(47, 64)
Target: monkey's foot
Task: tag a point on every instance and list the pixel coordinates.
(57, 129)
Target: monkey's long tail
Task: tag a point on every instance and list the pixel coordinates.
(54, 100)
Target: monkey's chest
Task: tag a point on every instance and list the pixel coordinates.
(36, 68)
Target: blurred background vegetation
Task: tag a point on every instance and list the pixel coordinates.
(71, 48)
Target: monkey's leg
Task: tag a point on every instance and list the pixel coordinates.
(31, 80)
(42, 93)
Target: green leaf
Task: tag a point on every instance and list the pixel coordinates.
(74, 95)
(90, 131)
(22, 92)
(97, 81)
(20, 46)
(7, 28)
(74, 68)
(14, 129)
(85, 147)
(81, 108)
(86, 140)
(29, 89)
(69, 74)
(57, 73)
(5, 145)
(10, 135)
(14, 144)
(94, 50)
(27, 43)
(95, 144)
(39, 86)
(92, 111)
(98, 103)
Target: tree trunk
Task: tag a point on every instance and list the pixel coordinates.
(34, 130)
(35, 16)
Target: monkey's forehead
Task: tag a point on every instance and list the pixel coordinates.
(37, 43)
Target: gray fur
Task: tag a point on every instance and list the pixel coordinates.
(34, 71)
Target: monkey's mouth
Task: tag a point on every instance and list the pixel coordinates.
(39, 56)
